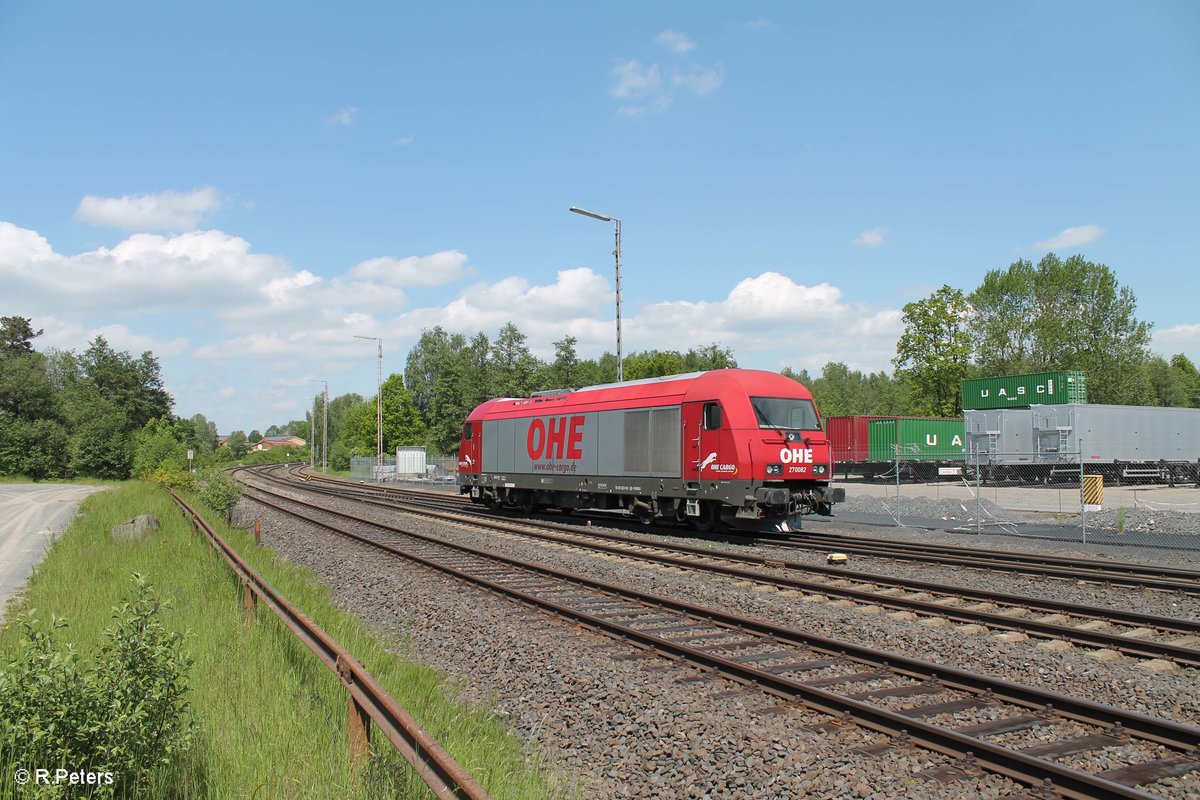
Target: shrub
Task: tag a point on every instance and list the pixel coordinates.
(126, 715)
(174, 477)
(218, 490)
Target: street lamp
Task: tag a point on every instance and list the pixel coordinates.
(324, 426)
(617, 253)
(378, 409)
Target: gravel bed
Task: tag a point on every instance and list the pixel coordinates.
(627, 729)
(949, 509)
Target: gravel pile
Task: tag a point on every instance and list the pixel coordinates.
(1144, 520)
(627, 726)
(927, 508)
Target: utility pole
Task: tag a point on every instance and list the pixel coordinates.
(378, 407)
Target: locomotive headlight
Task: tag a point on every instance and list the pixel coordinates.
(774, 469)
(819, 469)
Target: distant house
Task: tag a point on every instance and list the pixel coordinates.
(222, 439)
(271, 442)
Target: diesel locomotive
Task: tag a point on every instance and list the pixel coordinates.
(731, 448)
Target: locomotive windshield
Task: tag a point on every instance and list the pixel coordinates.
(786, 413)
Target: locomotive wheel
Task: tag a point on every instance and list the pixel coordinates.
(527, 504)
(708, 519)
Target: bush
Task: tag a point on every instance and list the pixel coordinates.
(218, 490)
(126, 715)
(173, 477)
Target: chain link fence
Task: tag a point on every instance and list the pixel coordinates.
(438, 472)
(1052, 495)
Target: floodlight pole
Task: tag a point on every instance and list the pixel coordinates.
(617, 254)
(324, 427)
(378, 408)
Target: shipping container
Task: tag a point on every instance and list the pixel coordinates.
(916, 438)
(1058, 433)
(848, 437)
(1021, 391)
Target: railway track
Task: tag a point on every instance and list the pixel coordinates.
(1128, 633)
(1114, 573)
(882, 691)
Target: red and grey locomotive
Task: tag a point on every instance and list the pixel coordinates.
(734, 447)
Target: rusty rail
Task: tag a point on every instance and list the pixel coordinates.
(368, 701)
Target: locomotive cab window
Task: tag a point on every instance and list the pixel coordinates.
(712, 416)
(786, 413)
(468, 431)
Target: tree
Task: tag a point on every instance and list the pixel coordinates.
(100, 444)
(135, 385)
(934, 351)
(25, 389)
(158, 444)
(238, 444)
(16, 336)
(1188, 377)
(1062, 315)
(254, 437)
(513, 367)
(1003, 321)
(710, 356)
(35, 448)
(564, 372)
(448, 377)
(402, 424)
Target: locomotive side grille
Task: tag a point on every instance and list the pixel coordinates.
(637, 441)
(652, 442)
(664, 441)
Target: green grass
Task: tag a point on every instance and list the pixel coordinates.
(271, 717)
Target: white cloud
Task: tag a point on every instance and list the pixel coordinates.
(447, 266)
(1178, 339)
(342, 119)
(169, 211)
(634, 80)
(700, 81)
(643, 85)
(656, 106)
(1072, 237)
(122, 338)
(872, 238)
(234, 312)
(144, 274)
(677, 43)
(403, 141)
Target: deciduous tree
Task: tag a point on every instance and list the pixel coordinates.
(934, 351)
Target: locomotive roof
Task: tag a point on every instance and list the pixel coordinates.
(664, 390)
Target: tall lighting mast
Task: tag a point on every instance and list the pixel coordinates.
(378, 407)
(617, 253)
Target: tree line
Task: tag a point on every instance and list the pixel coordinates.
(104, 413)
(1058, 315)
(66, 414)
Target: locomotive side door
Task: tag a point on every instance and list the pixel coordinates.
(470, 452)
(702, 423)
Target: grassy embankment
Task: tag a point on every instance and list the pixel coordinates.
(271, 718)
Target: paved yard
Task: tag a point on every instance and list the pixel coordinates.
(31, 515)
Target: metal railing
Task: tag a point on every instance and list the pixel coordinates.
(368, 701)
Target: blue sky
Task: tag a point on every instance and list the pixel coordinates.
(242, 187)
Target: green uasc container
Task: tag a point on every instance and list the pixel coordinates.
(918, 438)
(1020, 391)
